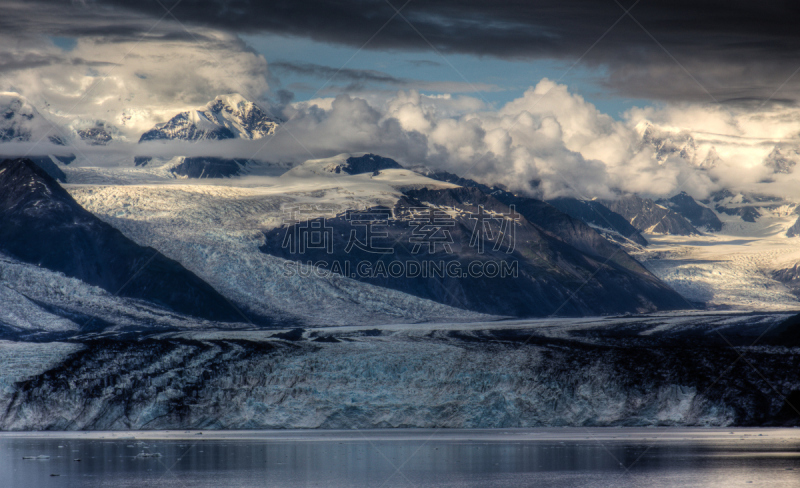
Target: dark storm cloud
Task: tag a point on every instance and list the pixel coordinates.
(9, 62)
(423, 62)
(358, 76)
(13, 62)
(731, 49)
(360, 79)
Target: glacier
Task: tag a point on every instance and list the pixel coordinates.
(669, 369)
(215, 231)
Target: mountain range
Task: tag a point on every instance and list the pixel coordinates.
(564, 266)
(225, 117)
(579, 256)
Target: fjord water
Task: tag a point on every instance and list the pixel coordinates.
(607, 457)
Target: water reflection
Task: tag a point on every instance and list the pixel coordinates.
(402, 458)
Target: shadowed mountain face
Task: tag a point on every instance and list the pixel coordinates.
(569, 228)
(40, 223)
(748, 213)
(790, 277)
(747, 206)
(794, 230)
(699, 215)
(441, 245)
(648, 216)
(597, 214)
(574, 232)
(368, 163)
(209, 167)
(787, 333)
(49, 167)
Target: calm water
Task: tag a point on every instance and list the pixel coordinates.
(443, 458)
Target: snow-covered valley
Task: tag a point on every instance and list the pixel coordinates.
(733, 268)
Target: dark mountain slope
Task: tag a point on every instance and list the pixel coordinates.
(697, 214)
(49, 167)
(648, 216)
(571, 230)
(40, 223)
(553, 277)
(368, 163)
(209, 167)
(595, 213)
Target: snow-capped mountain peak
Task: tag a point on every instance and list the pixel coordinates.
(782, 159)
(666, 142)
(229, 116)
(21, 122)
(243, 117)
(97, 135)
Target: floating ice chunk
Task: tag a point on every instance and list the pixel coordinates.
(143, 455)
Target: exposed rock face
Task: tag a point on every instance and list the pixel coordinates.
(748, 206)
(21, 122)
(141, 160)
(666, 143)
(790, 277)
(95, 136)
(748, 213)
(187, 126)
(595, 213)
(699, 215)
(570, 229)
(782, 159)
(648, 216)
(42, 224)
(368, 163)
(225, 117)
(209, 167)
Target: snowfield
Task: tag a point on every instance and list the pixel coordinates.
(730, 269)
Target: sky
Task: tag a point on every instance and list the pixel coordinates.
(552, 97)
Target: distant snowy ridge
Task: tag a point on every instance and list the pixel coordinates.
(21, 122)
(95, 136)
